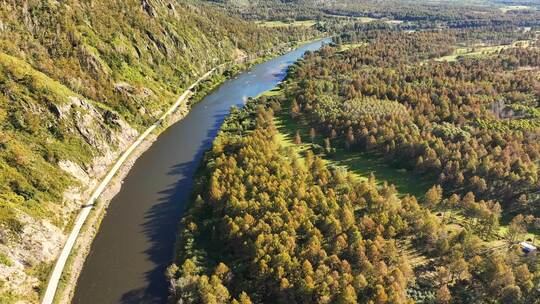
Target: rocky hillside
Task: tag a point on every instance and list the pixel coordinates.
(79, 79)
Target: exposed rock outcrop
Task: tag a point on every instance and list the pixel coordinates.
(149, 8)
(40, 241)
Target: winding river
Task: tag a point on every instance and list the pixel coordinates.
(135, 242)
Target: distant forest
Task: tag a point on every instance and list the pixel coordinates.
(447, 13)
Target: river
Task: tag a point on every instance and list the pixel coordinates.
(135, 243)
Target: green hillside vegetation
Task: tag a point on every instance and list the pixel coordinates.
(33, 140)
(159, 47)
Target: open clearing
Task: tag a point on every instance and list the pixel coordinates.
(481, 50)
(310, 23)
(304, 23)
(366, 19)
(510, 8)
(348, 46)
(360, 19)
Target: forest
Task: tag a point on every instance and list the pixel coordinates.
(470, 123)
(274, 218)
(259, 227)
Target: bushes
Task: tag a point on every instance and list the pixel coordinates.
(5, 260)
(9, 221)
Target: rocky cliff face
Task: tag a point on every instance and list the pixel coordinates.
(29, 253)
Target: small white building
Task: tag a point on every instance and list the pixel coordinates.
(527, 247)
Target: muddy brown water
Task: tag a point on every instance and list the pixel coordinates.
(135, 243)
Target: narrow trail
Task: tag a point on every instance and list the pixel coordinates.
(86, 208)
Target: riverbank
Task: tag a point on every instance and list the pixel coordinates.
(75, 262)
(82, 244)
(105, 192)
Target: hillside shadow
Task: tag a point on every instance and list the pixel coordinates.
(161, 223)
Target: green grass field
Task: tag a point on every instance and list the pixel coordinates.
(304, 23)
(310, 23)
(361, 164)
(481, 51)
(358, 19)
(478, 52)
(366, 19)
(345, 47)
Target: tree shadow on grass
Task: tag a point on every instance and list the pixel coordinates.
(361, 163)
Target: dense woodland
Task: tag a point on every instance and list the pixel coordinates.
(453, 14)
(80, 79)
(270, 224)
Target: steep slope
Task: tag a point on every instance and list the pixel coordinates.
(78, 81)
